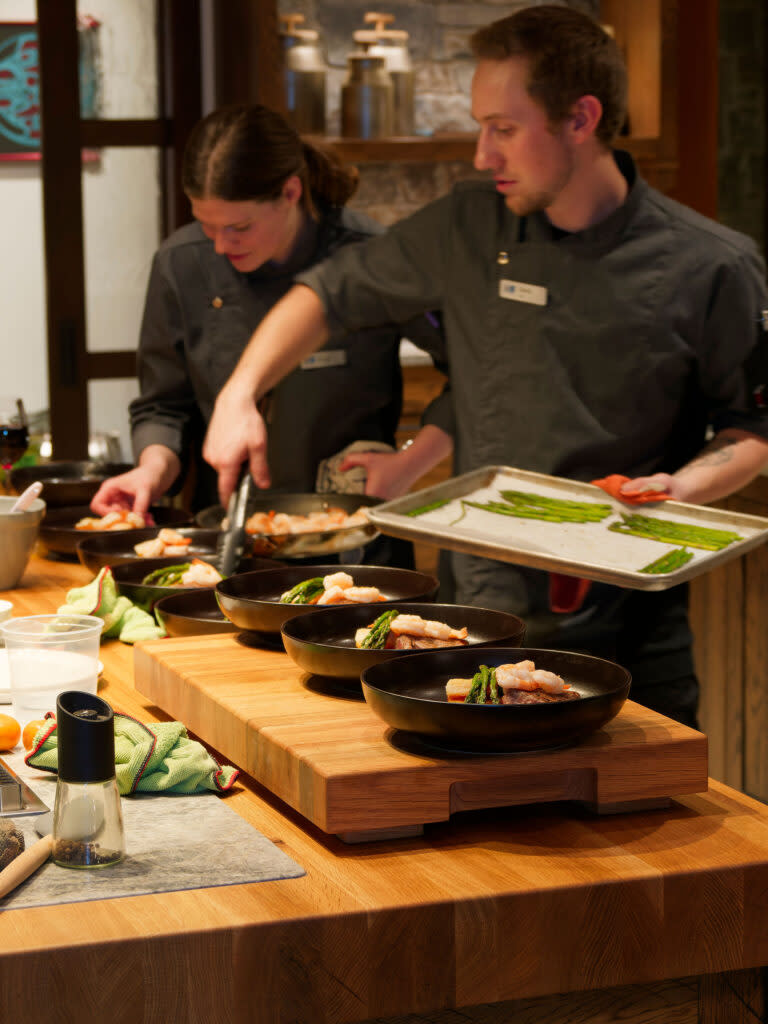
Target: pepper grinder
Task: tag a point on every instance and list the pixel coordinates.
(87, 819)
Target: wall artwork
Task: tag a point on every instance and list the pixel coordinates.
(20, 124)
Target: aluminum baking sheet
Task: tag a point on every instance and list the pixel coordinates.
(589, 550)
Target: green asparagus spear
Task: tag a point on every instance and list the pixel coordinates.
(669, 532)
(668, 563)
(427, 508)
(303, 592)
(377, 637)
(167, 575)
(494, 688)
(474, 690)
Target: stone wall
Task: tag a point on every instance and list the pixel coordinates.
(439, 47)
(439, 32)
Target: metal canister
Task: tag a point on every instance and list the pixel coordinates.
(304, 75)
(367, 98)
(391, 44)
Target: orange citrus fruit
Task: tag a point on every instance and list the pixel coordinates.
(30, 731)
(10, 732)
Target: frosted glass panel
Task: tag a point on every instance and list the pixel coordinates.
(121, 224)
(120, 57)
(108, 418)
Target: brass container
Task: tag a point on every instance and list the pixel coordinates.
(367, 98)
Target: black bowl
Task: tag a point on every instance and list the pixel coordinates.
(252, 599)
(301, 545)
(323, 642)
(128, 578)
(96, 550)
(58, 533)
(409, 694)
(192, 613)
(66, 483)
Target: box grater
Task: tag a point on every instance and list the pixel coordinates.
(16, 798)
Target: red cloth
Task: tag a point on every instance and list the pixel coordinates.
(567, 593)
(612, 485)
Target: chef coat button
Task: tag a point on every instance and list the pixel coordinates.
(217, 303)
(503, 258)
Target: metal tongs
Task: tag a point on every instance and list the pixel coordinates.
(230, 543)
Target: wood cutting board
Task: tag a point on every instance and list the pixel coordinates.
(320, 748)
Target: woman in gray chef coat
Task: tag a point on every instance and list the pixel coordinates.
(266, 206)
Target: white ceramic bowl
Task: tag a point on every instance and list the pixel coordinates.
(18, 533)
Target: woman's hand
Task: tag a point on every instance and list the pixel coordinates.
(138, 488)
(132, 490)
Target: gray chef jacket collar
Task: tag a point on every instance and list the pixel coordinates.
(538, 228)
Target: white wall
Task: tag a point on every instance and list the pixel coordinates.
(121, 214)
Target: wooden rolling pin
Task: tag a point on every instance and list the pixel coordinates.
(21, 867)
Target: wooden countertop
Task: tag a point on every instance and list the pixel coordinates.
(514, 904)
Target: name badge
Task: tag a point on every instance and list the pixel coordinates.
(324, 358)
(519, 291)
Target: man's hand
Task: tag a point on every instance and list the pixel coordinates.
(729, 462)
(236, 434)
(386, 472)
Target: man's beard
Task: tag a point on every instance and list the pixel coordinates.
(523, 206)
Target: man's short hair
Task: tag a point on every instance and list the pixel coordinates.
(569, 55)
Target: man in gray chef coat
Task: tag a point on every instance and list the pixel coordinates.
(593, 327)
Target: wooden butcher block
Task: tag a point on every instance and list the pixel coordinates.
(320, 748)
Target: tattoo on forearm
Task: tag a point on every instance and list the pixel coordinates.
(717, 452)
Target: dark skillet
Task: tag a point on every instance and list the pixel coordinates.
(128, 578)
(58, 533)
(409, 694)
(67, 483)
(96, 550)
(192, 613)
(323, 642)
(252, 599)
(301, 545)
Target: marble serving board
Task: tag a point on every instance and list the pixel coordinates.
(172, 843)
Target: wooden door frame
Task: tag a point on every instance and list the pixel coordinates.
(70, 365)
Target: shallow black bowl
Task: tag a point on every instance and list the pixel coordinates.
(96, 550)
(252, 599)
(301, 545)
(192, 613)
(409, 694)
(58, 533)
(323, 642)
(66, 483)
(128, 578)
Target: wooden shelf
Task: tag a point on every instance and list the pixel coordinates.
(437, 148)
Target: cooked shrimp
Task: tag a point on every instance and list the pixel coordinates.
(338, 579)
(351, 595)
(200, 574)
(150, 548)
(173, 538)
(414, 625)
(520, 676)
